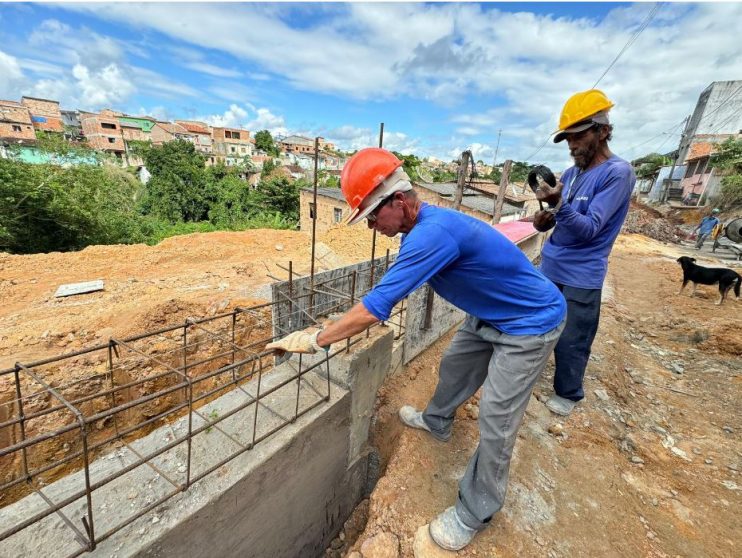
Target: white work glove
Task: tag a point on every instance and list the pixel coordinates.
(297, 342)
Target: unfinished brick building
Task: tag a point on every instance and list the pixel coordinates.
(45, 114)
(15, 123)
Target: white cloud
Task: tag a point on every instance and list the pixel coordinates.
(250, 118)
(13, 78)
(213, 70)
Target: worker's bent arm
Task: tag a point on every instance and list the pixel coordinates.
(352, 322)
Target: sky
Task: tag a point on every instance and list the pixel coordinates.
(443, 77)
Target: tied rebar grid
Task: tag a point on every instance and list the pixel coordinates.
(139, 383)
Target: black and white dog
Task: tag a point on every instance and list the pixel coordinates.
(709, 276)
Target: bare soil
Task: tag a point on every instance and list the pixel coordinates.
(147, 288)
(648, 464)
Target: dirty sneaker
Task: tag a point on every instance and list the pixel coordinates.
(414, 419)
(560, 405)
(449, 532)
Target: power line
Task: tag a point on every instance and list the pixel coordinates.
(631, 41)
(670, 131)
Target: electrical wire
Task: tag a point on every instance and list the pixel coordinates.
(670, 131)
(631, 41)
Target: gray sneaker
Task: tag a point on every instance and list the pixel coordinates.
(560, 405)
(414, 419)
(449, 532)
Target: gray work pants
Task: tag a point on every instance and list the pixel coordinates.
(508, 367)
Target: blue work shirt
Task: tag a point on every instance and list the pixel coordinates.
(594, 205)
(707, 224)
(474, 267)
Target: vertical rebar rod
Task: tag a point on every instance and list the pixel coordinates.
(189, 394)
(373, 235)
(291, 289)
(352, 302)
(113, 386)
(257, 402)
(21, 421)
(234, 346)
(298, 387)
(314, 222)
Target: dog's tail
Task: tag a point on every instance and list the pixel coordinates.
(736, 287)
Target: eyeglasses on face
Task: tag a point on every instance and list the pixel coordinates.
(371, 217)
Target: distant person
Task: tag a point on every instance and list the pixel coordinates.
(586, 208)
(515, 316)
(706, 227)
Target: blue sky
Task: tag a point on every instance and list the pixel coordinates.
(442, 77)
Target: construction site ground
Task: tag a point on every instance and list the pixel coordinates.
(648, 465)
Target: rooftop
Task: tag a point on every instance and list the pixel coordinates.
(478, 202)
(333, 193)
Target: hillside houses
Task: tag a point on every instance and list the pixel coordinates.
(116, 135)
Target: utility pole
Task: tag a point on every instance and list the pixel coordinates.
(500, 200)
(668, 182)
(497, 148)
(459, 194)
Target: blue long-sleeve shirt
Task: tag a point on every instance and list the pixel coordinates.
(707, 224)
(594, 205)
(474, 267)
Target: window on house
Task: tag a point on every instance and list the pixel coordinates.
(227, 134)
(108, 126)
(233, 149)
(111, 140)
(242, 149)
(16, 128)
(311, 210)
(235, 135)
(337, 213)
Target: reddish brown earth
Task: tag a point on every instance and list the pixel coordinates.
(648, 465)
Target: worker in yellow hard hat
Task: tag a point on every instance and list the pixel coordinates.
(502, 346)
(586, 209)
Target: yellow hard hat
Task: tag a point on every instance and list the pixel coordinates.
(582, 106)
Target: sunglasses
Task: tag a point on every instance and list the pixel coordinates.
(371, 217)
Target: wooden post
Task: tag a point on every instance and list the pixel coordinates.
(459, 194)
(501, 192)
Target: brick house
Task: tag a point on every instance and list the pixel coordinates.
(203, 140)
(163, 132)
(231, 145)
(103, 132)
(45, 114)
(301, 145)
(15, 123)
(330, 209)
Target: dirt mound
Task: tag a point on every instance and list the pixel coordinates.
(650, 222)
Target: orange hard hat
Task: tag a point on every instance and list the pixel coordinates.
(581, 106)
(362, 174)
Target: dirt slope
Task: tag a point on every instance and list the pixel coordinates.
(647, 466)
(148, 287)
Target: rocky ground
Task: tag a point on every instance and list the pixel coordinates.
(648, 465)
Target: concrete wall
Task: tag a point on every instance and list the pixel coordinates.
(287, 497)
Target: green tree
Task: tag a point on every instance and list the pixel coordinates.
(728, 161)
(51, 208)
(264, 142)
(410, 164)
(649, 165)
(178, 188)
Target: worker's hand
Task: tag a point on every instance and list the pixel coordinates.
(549, 194)
(543, 221)
(296, 342)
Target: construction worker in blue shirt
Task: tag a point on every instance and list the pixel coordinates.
(515, 316)
(587, 209)
(706, 227)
